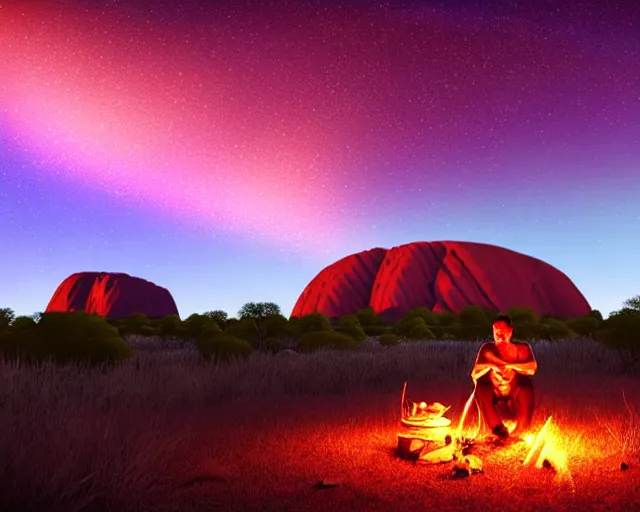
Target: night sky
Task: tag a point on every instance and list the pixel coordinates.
(228, 151)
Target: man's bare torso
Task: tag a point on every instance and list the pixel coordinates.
(513, 352)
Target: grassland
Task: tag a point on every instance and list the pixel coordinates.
(167, 431)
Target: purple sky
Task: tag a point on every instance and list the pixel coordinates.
(230, 152)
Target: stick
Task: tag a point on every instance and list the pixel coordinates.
(404, 390)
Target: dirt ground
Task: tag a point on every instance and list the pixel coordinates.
(167, 432)
(270, 457)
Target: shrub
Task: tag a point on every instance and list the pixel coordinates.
(169, 326)
(326, 339)
(621, 332)
(245, 329)
(584, 326)
(313, 322)
(594, 313)
(350, 325)
(377, 330)
(553, 329)
(528, 330)
(388, 340)
(23, 322)
(447, 332)
(429, 317)
(474, 323)
(136, 323)
(196, 326)
(222, 347)
(65, 338)
(413, 329)
(368, 316)
(522, 315)
(445, 319)
(277, 326)
(219, 316)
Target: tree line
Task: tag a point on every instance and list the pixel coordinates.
(261, 326)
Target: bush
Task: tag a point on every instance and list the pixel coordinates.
(313, 322)
(23, 322)
(277, 326)
(414, 329)
(474, 323)
(377, 330)
(528, 330)
(245, 329)
(388, 340)
(553, 329)
(169, 326)
(594, 313)
(222, 347)
(349, 325)
(65, 338)
(220, 317)
(196, 326)
(429, 317)
(448, 332)
(445, 319)
(316, 340)
(584, 326)
(136, 323)
(368, 316)
(621, 332)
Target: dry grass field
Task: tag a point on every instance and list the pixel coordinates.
(169, 432)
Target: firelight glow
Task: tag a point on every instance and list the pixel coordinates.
(229, 153)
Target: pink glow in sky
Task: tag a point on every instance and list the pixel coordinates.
(243, 146)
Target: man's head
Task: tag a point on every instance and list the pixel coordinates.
(502, 329)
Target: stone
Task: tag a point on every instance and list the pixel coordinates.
(442, 276)
(111, 295)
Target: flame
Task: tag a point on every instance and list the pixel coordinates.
(465, 411)
(547, 444)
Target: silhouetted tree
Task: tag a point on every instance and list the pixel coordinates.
(7, 316)
(259, 311)
(219, 316)
(632, 303)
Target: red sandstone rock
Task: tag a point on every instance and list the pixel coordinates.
(111, 295)
(442, 276)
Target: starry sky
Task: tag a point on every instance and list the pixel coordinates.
(228, 151)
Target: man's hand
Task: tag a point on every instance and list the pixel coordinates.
(525, 368)
(481, 369)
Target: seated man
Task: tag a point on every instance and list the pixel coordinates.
(502, 374)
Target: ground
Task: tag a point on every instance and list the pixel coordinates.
(170, 433)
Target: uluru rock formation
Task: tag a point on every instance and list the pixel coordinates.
(111, 295)
(442, 276)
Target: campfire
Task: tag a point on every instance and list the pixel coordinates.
(427, 437)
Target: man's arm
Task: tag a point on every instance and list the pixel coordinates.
(528, 367)
(485, 362)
